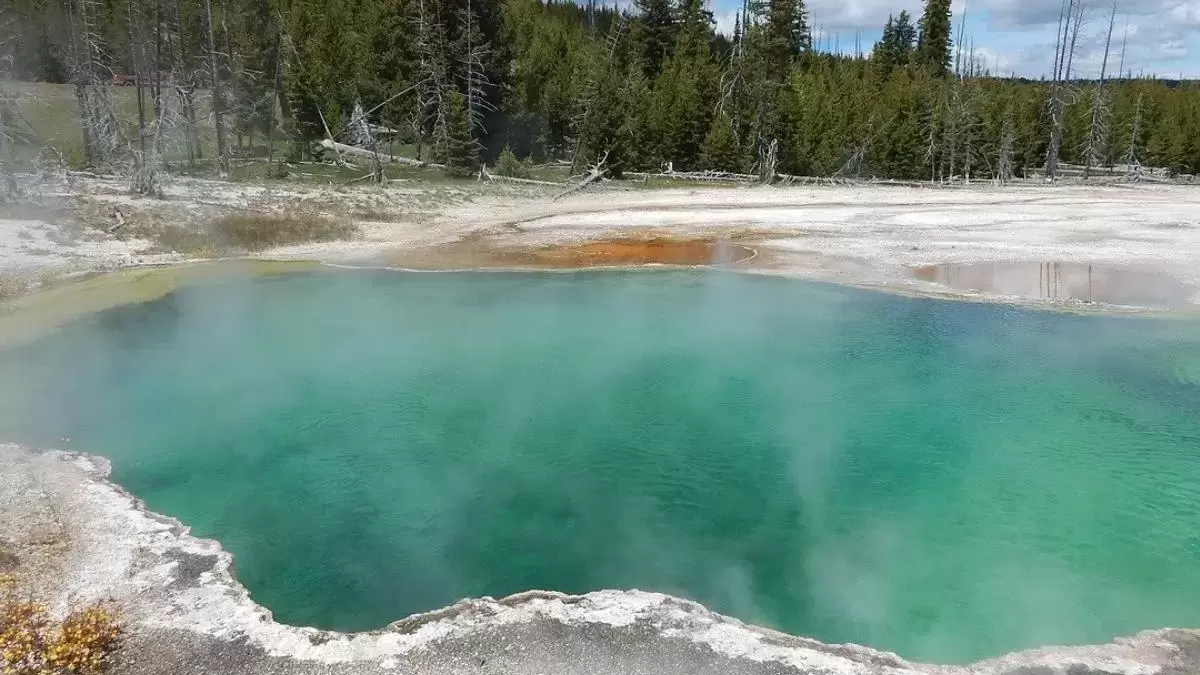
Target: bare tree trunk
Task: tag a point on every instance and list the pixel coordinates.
(1133, 167)
(79, 78)
(218, 96)
(1055, 103)
(279, 107)
(102, 133)
(475, 80)
(1124, 43)
(1004, 163)
(159, 111)
(952, 122)
(958, 52)
(432, 80)
(363, 137)
(1098, 131)
(143, 172)
(136, 53)
(8, 181)
(234, 71)
(931, 138)
(184, 82)
(1080, 7)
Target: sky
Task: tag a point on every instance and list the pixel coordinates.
(1017, 36)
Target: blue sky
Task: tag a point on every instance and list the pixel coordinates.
(1017, 36)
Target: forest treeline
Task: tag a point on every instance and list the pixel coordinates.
(653, 87)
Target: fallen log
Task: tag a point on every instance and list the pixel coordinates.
(708, 176)
(596, 173)
(487, 175)
(363, 152)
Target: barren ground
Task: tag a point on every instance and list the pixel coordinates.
(869, 236)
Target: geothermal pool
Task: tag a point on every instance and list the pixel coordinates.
(943, 479)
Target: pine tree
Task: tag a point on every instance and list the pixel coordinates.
(721, 151)
(570, 84)
(801, 33)
(462, 151)
(904, 39)
(658, 33)
(933, 45)
(638, 148)
(881, 53)
(507, 164)
(786, 33)
(684, 94)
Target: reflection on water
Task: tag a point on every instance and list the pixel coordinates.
(1064, 281)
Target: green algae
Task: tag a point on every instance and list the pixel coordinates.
(28, 317)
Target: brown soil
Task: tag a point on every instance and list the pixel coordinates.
(607, 253)
(643, 252)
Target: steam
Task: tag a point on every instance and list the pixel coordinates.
(901, 473)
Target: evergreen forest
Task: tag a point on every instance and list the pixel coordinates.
(651, 88)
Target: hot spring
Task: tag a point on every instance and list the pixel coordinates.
(942, 479)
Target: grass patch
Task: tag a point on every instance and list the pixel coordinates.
(253, 232)
(32, 643)
(53, 112)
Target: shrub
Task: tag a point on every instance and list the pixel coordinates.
(260, 232)
(32, 644)
(507, 164)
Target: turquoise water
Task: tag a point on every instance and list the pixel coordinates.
(946, 480)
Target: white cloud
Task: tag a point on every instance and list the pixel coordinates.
(726, 21)
(1163, 35)
(854, 14)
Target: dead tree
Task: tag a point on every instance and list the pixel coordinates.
(768, 158)
(960, 129)
(1004, 158)
(183, 79)
(931, 135)
(344, 149)
(156, 82)
(143, 170)
(1080, 7)
(102, 137)
(364, 138)
(950, 129)
(1055, 103)
(218, 94)
(595, 173)
(1124, 44)
(474, 80)
(8, 180)
(1097, 139)
(1133, 166)
(431, 116)
(278, 104)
